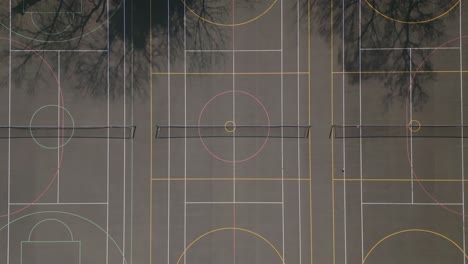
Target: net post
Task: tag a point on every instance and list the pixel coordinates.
(157, 131)
(133, 132)
(332, 132)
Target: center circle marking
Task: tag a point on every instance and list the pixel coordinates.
(63, 110)
(267, 115)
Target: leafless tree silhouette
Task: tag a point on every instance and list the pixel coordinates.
(377, 31)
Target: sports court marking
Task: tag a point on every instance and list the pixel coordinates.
(229, 73)
(398, 72)
(229, 179)
(233, 24)
(462, 251)
(377, 11)
(60, 105)
(360, 180)
(185, 179)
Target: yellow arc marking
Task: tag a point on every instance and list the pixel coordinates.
(231, 228)
(411, 22)
(415, 231)
(228, 24)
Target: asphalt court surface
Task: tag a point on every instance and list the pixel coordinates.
(65, 195)
(227, 198)
(80, 185)
(400, 199)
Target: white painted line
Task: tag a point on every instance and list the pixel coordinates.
(298, 133)
(345, 224)
(282, 130)
(462, 128)
(232, 202)
(124, 200)
(230, 51)
(169, 133)
(108, 131)
(360, 129)
(58, 126)
(415, 48)
(83, 203)
(433, 204)
(9, 140)
(411, 118)
(49, 50)
(185, 136)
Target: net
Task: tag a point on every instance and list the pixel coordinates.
(237, 131)
(415, 131)
(111, 132)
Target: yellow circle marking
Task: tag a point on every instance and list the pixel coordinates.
(415, 231)
(416, 123)
(411, 22)
(229, 24)
(236, 229)
(230, 123)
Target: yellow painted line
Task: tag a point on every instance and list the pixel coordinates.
(228, 229)
(399, 72)
(229, 179)
(414, 231)
(230, 73)
(411, 22)
(401, 180)
(229, 24)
